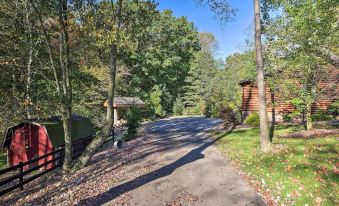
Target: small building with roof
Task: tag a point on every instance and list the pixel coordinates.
(37, 137)
(123, 103)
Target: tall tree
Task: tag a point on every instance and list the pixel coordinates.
(63, 89)
(238, 67)
(201, 76)
(264, 132)
(30, 59)
(304, 35)
(224, 12)
(65, 65)
(108, 128)
(163, 60)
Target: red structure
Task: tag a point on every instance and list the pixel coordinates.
(31, 139)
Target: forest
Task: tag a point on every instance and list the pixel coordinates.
(273, 105)
(67, 57)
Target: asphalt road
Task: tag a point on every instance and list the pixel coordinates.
(190, 170)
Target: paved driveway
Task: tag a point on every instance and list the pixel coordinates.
(190, 170)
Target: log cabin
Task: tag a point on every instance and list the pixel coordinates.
(250, 101)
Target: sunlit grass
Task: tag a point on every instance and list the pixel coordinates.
(298, 172)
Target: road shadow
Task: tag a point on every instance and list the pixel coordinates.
(116, 191)
(189, 132)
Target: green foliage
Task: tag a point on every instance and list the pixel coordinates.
(199, 82)
(229, 116)
(296, 166)
(253, 119)
(287, 118)
(215, 110)
(154, 54)
(298, 104)
(155, 102)
(200, 108)
(321, 116)
(133, 118)
(211, 85)
(301, 41)
(165, 59)
(334, 108)
(178, 107)
(208, 110)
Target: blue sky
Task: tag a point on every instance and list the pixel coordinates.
(231, 37)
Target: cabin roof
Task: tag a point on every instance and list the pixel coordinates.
(245, 82)
(120, 102)
(81, 128)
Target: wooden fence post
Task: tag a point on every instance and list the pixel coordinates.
(61, 153)
(21, 178)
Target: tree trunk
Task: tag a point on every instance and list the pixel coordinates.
(67, 92)
(14, 94)
(264, 133)
(28, 85)
(107, 130)
(29, 65)
(309, 125)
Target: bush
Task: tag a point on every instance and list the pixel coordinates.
(200, 108)
(287, 118)
(208, 110)
(211, 110)
(253, 119)
(133, 122)
(321, 116)
(215, 111)
(178, 107)
(229, 116)
(334, 108)
(155, 102)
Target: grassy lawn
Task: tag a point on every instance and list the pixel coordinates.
(300, 172)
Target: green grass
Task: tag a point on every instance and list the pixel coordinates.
(299, 172)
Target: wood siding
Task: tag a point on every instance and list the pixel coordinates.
(329, 88)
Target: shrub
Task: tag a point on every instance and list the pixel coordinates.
(178, 107)
(321, 116)
(287, 118)
(215, 111)
(133, 122)
(211, 110)
(155, 102)
(208, 110)
(229, 116)
(253, 119)
(199, 108)
(334, 108)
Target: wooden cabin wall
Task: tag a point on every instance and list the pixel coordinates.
(250, 100)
